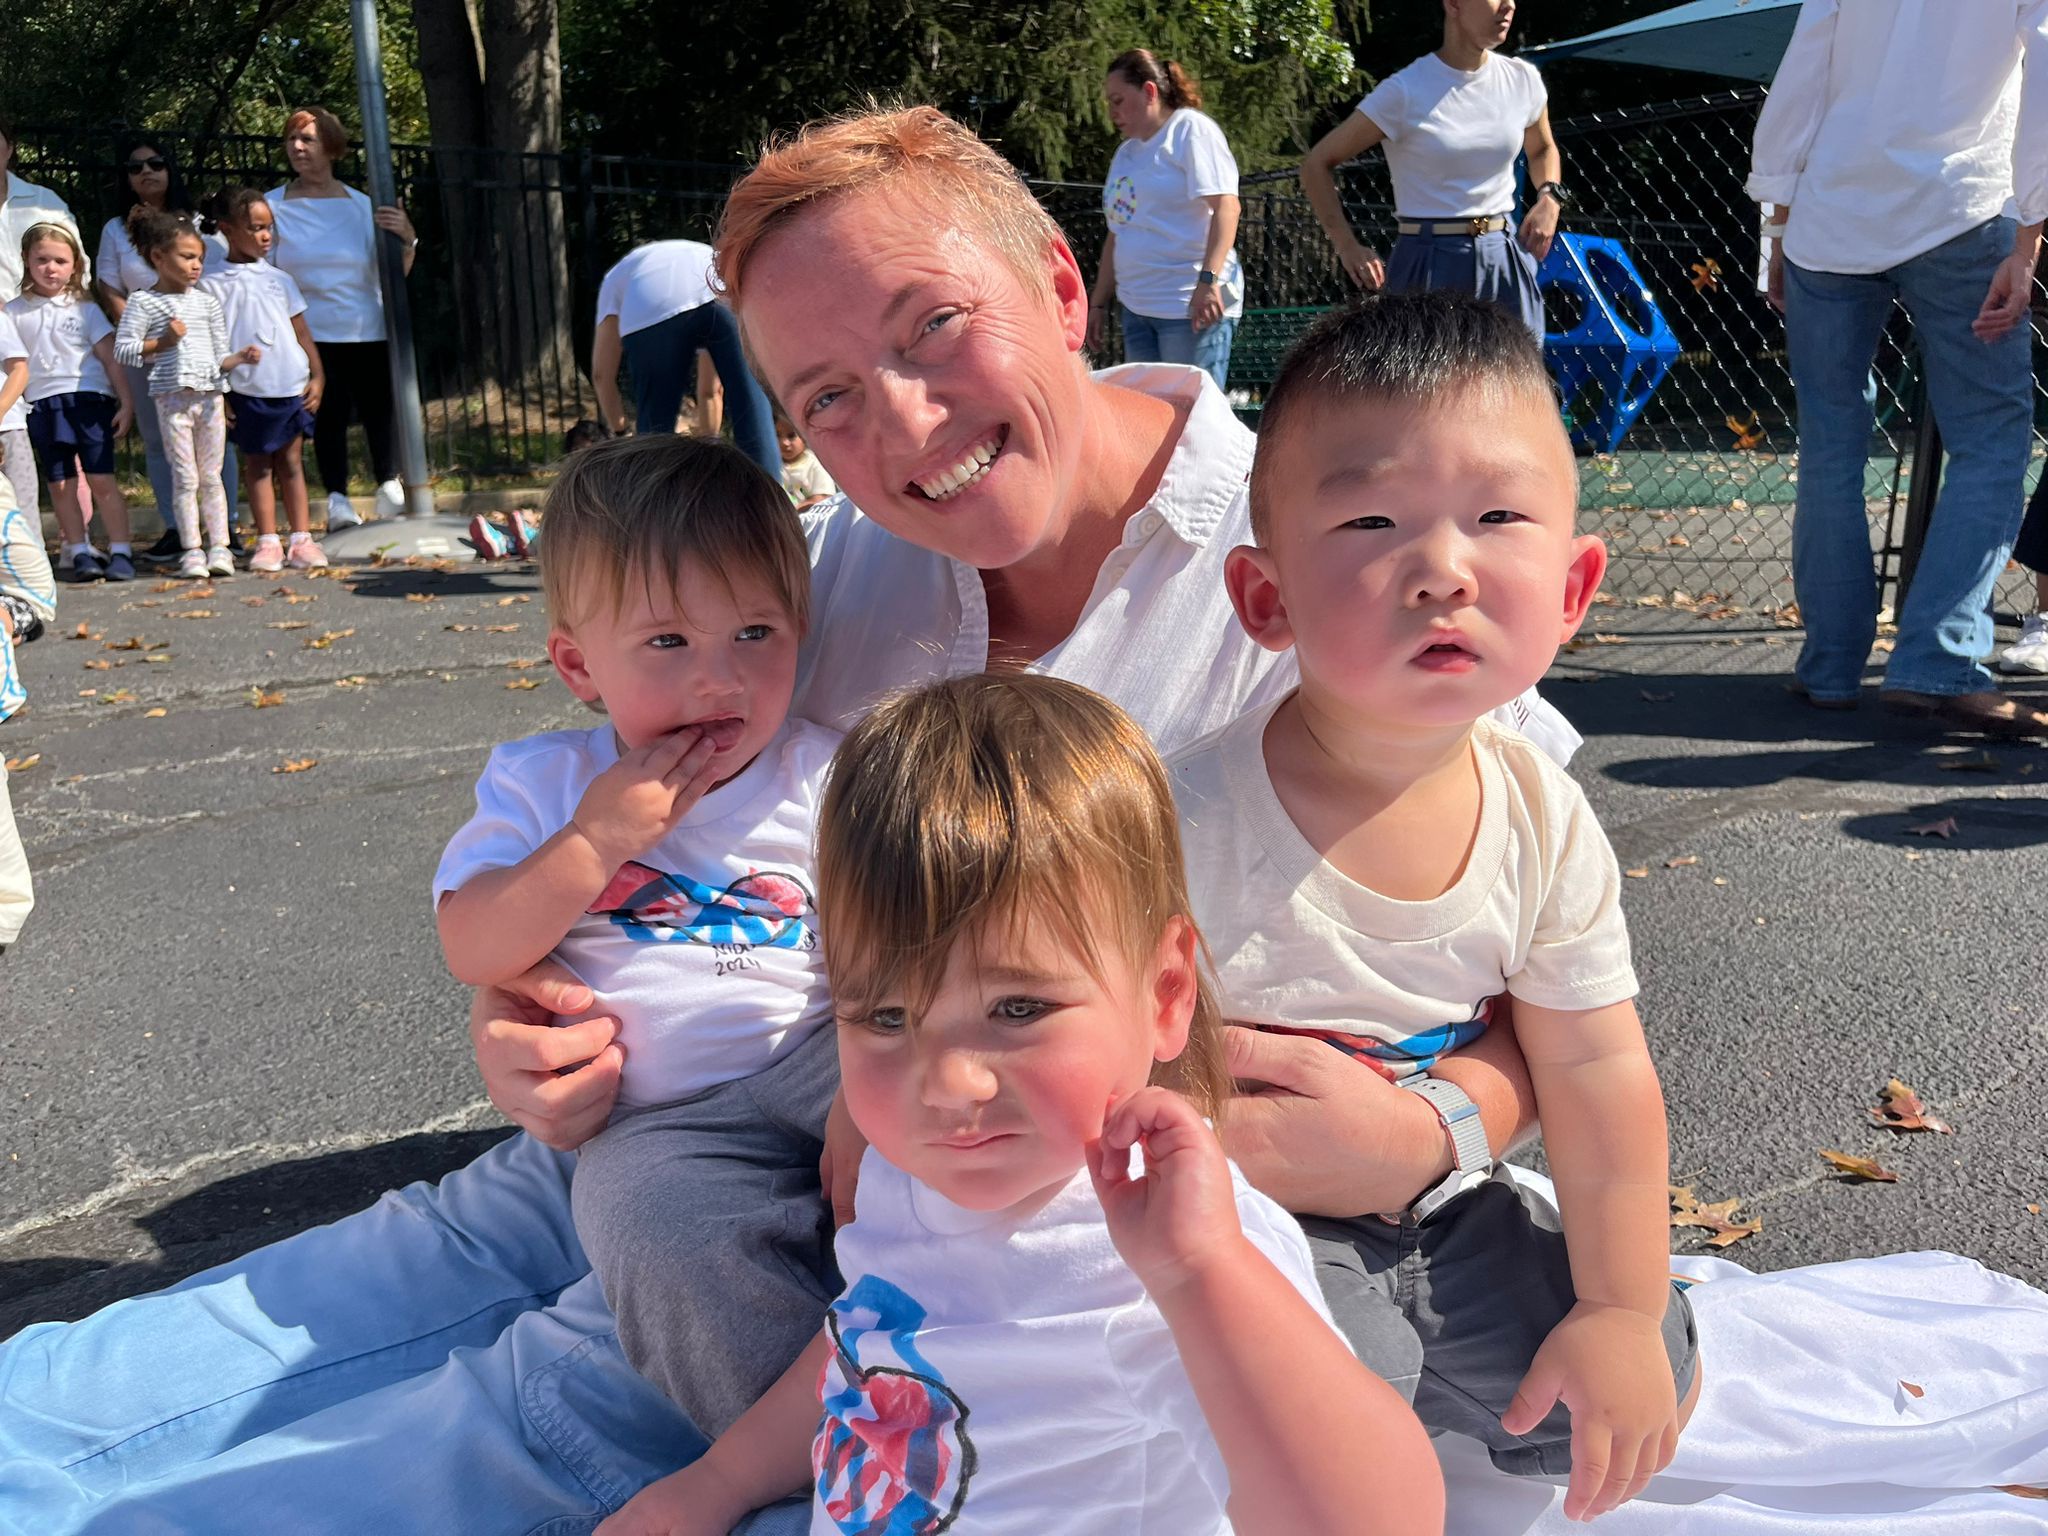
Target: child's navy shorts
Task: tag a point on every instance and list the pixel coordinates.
(266, 426)
(68, 430)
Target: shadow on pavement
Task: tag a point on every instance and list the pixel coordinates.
(216, 1222)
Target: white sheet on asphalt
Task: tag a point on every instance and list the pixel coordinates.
(1804, 1427)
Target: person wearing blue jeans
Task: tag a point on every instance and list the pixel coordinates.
(1150, 340)
(663, 360)
(1873, 205)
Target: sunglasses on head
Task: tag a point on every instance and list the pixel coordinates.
(146, 163)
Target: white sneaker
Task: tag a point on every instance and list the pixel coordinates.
(220, 560)
(2030, 652)
(341, 512)
(192, 565)
(391, 499)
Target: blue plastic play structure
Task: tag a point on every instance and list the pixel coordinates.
(1611, 348)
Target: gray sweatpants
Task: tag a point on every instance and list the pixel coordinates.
(705, 1224)
(1452, 1311)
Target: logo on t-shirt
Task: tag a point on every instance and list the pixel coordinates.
(1401, 1059)
(1120, 200)
(762, 909)
(892, 1456)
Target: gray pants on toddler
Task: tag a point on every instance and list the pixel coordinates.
(1451, 1312)
(705, 1224)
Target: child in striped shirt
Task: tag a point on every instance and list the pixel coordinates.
(180, 336)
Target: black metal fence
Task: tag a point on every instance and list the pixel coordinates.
(1696, 499)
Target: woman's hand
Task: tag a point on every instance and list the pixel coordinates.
(1205, 308)
(1323, 1134)
(1774, 283)
(393, 221)
(1098, 326)
(1180, 1214)
(1539, 227)
(556, 1082)
(2011, 290)
(1362, 264)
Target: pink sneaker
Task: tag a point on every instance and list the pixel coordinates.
(305, 555)
(268, 556)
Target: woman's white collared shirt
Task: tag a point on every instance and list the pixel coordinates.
(1158, 634)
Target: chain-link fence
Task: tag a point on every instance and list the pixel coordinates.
(1695, 499)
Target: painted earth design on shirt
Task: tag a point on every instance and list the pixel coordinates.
(762, 907)
(892, 1456)
(1401, 1059)
(1121, 200)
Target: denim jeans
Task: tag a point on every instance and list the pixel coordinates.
(1982, 399)
(663, 361)
(443, 1361)
(1151, 340)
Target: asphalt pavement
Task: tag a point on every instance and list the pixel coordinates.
(228, 1020)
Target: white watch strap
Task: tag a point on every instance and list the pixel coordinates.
(1471, 1154)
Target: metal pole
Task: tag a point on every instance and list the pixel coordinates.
(405, 383)
(1920, 496)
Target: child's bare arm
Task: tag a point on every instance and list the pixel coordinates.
(13, 382)
(765, 1456)
(507, 920)
(1271, 1376)
(1606, 1140)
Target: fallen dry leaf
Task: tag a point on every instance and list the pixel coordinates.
(351, 682)
(159, 655)
(1717, 1217)
(523, 682)
(1641, 872)
(258, 699)
(458, 629)
(196, 594)
(1683, 861)
(165, 586)
(83, 632)
(322, 641)
(302, 597)
(155, 714)
(423, 597)
(1600, 639)
(1865, 1168)
(132, 643)
(499, 629)
(1945, 827)
(119, 696)
(1720, 879)
(1913, 1387)
(289, 624)
(23, 764)
(98, 666)
(252, 602)
(524, 663)
(1899, 1108)
(295, 765)
(193, 613)
(518, 597)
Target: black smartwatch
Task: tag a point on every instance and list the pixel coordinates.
(1558, 195)
(1207, 279)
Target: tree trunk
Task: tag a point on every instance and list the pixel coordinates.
(451, 70)
(523, 125)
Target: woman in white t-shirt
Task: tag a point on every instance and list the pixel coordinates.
(1453, 123)
(147, 180)
(326, 236)
(1170, 200)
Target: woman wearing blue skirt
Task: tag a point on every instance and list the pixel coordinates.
(1452, 123)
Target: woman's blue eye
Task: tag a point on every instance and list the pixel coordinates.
(819, 402)
(1019, 1010)
(939, 320)
(756, 632)
(668, 642)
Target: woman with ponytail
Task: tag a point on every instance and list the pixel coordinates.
(1171, 203)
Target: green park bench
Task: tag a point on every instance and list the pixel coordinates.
(1262, 339)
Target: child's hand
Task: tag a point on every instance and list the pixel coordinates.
(633, 804)
(124, 418)
(251, 354)
(173, 333)
(315, 386)
(1181, 1215)
(674, 1506)
(1609, 1366)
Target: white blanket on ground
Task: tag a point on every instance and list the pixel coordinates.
(1804, 1427)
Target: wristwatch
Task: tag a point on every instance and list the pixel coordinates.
(1206, 278)
(1558, 195)
(1471, 1157)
